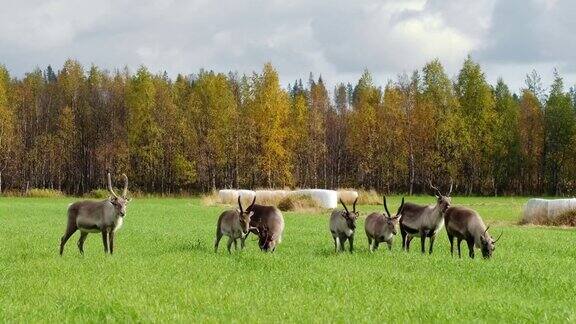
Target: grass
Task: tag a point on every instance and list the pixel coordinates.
(164, 269)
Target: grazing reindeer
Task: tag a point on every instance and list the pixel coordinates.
(104, 216)
(268, 223)
(381, 228)
(343, 225)
(466, 225)
(235, 224)
(424, 221)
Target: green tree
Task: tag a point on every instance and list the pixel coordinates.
(143, 132)
(7, 125)
(477, 108)
(560, 125)
(269, 109)
(531, 134)
(506, 151)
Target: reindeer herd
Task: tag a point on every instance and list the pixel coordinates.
(267, 223)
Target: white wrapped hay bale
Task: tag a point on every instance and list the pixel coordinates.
(227, 196)
(538, 209)
(324, 198)
(347, 196)
(270, 197)
(247, 196)
(230, 196)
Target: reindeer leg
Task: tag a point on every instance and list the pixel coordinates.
(389, 245)
(229, 244)
(459, 254)
(408, 240)
(451, 239)
(423, 241)
(236, 244)
(242, 244)
(105, 239)
(370, 243)
(217, 241)
(351, 239)
(432, 238)
(470, 248)
(111, 243)
(342, 242)
(404, 234)
(70, 229)
(83, 236)
(337, 243)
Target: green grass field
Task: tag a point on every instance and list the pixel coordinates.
(164, 269)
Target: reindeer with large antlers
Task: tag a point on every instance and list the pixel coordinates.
(424, 221)
(235, 224)
(343, 225)
(382, 228)
(465, 224)
(104, 217)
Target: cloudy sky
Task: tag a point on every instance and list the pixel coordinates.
(334, 38)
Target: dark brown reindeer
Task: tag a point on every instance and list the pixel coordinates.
(235, 224)
(343, 225)
(382, 228)
(268, 223)
(424, 221)
(465, 224)
(104, 217)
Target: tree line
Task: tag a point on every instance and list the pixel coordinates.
(64, 130)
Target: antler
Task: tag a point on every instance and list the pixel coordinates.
(354, 205)
(110, 186)
(499, 236)
(125, 191)
(240, 203)
(400, 208)
(386, 208)
(346, 209)
(253, 202)
(486, 230)
(431, 186)
(451, 185)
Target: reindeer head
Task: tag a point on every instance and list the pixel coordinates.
(488, 245)
(119, 202)
(443, 201)
(391, 222)
(245, 215)
(350, 216)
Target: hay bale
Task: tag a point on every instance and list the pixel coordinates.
(270, 197)
(297, 202)
(227, 196)
(247, 197)
(347, 196)
(324, 198)
(230, 196)
(542, 211)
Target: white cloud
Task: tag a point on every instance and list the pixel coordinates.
(337, 39)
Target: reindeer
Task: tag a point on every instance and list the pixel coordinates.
(343, 225)
(380, 228)
(104, 216)
(465, 224)
(268, 223)
(424, 221)
(235, 224)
